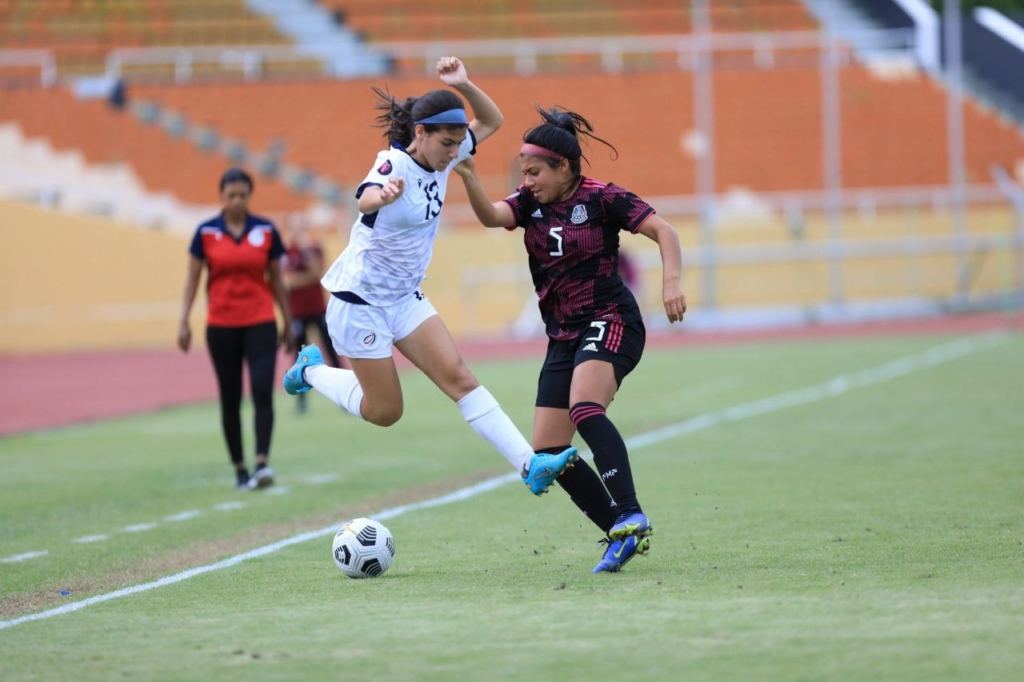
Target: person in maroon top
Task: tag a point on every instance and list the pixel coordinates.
(571, 226)
(242, 254)
(302, 267)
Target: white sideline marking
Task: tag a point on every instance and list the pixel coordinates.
(139, 527)
(228, 506)
(90, 538)
(837, 386)
(183, 516)
(22, 557)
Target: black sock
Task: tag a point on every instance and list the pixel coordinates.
(610, 456)
(586, 491)
(261, 465)
(242, 475)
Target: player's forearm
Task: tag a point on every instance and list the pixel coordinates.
(484, 108)
(188, 297)
(482, 206)
(370, 203)
(281, 297)
(671, 255)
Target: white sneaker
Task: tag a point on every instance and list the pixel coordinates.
(262, 478)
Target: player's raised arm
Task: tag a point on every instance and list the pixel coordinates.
(487, 117)
(491, 214)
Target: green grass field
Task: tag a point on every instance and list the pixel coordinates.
(825, 510)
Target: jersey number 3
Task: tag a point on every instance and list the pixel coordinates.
(555, 241)
(602, 327)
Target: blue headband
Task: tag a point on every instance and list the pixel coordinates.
(450, 117)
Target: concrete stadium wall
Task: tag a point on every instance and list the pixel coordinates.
(70, 283)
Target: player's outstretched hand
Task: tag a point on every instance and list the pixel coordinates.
(466, 168)
(452, 71)
(390, 192)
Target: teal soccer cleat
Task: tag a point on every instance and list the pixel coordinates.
(544, 469)
(294, 381)
(619, 553)
(631, 523)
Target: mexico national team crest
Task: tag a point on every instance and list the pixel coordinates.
(579, 214)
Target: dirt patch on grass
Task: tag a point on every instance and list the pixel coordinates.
(203, 553)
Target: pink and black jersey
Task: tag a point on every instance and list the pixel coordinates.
(574, 254)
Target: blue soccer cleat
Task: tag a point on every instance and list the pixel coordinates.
(619, 553)
(545, 468)
(631, 523)
(294, 381)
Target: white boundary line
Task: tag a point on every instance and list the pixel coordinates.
(834, 387)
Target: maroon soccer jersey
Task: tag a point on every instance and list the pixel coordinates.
(574, 254)
(307, 300)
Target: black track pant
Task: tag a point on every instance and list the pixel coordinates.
(257, 345)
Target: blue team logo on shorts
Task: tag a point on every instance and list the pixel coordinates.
(369, 339)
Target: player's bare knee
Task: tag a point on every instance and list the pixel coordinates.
(388, 416)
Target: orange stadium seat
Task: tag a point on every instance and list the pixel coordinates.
(409, 20)
(81, 33)
(767, 126)
(768, 132)
(104, 135)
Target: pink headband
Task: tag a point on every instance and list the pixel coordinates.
(534, 150)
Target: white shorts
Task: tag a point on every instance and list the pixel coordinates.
(369, 332)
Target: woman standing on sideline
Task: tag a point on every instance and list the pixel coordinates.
(376, 302)
(241, 252)
(571, 226)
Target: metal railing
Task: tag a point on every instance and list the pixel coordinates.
(764, 49)
(611, 54)
(44, 60)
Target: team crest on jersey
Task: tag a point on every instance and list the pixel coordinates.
(579, 214)
(257, 237)
(385, 168)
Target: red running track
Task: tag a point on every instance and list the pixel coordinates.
(42, 392)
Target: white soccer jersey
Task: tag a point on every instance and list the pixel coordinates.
(388, 251)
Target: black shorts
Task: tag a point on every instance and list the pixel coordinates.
(622, 345)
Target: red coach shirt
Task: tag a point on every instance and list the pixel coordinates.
(237, 289)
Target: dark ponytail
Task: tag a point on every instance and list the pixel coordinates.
(398, 119)
(560, 132)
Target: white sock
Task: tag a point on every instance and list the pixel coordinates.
(340, 385)
(483, 413)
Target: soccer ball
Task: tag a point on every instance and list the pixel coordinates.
(363, 548)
